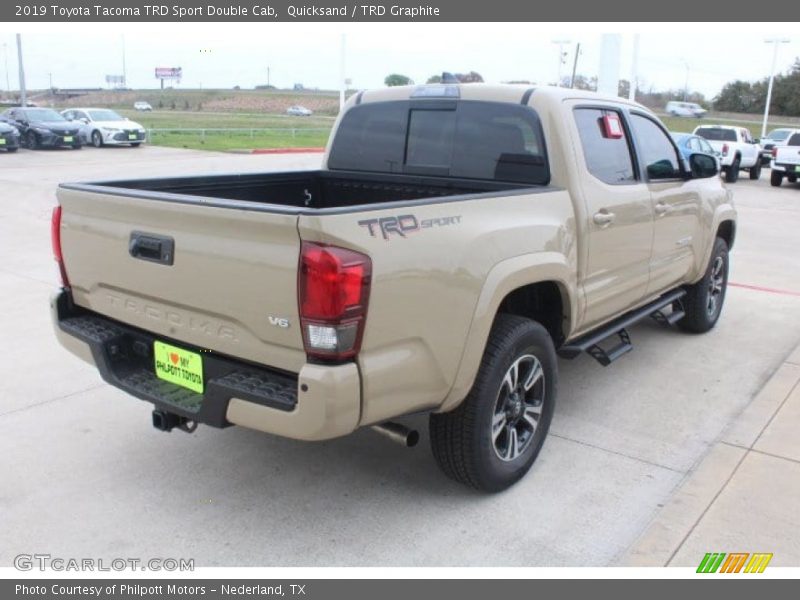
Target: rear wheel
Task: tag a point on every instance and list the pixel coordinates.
(703, 300)
(775, 178)
(755, 170)
(491, 440)
(732, 172)
(97, 139)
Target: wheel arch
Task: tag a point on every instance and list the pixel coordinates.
(539, 286)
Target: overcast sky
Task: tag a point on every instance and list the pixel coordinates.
(224, 55)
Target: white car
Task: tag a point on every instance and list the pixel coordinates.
(685, 109)
(776, 137)
(298, 111)
(786, 158)
(101, 126)
(142, 106)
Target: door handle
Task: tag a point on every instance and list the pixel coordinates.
(662, 209)
(603, 217)
(154, 248)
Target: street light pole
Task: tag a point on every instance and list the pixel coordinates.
(23, 95)
(686, 82)
(5, 55)
(774, 42)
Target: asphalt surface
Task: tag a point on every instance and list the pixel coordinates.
(84, 474)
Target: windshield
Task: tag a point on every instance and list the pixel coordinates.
(779, 134)
(42, 114)
(104, 115)
(716, 134)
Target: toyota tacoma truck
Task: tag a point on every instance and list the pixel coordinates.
(786, 160)
(456, 240)
(737, 148)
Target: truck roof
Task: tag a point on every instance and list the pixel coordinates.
(491, 92)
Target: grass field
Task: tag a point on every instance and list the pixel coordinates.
(241, 140)
(687, 125)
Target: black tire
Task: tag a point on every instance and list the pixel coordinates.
(792, 178)
(12, 149)
(31, 140)
(97, 139)
(701, 316)
(732, 172)
(755, 171)
(462, 440)
(775, 178)
(136, 144)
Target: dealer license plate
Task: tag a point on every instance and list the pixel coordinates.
(2, 141)
(132, 136)
(179, 366)
(67, 138)
(797, 169)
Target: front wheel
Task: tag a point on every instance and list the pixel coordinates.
(31, 140)
(491, 440)
(775, 178)
(97, 139)
(703, 300)
(755, 170)
(136, 144)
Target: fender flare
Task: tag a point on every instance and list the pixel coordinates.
(505, 277)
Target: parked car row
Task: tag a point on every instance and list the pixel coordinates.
(37, 128)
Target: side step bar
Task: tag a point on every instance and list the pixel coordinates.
(590, 343)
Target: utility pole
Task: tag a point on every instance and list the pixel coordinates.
(575, 65)
(634, 69)
(50, 75)
(774, 42)
(342, 84)
(124, 69)
(268, 77)
(22, 92)
(686, 82)
(561, 56)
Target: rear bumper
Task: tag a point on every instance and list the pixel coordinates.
(321, 402)
(785, 167)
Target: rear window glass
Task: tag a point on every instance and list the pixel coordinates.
(794, 140)
(608, 159)
(470, 140)
(717, 134)
(779, 134)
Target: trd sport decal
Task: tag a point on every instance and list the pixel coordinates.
(404, 224)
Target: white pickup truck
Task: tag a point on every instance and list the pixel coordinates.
(738, 150)
(786, 160)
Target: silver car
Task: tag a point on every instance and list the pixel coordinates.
(102, 126)
(299, 111)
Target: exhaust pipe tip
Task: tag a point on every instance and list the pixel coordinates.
(398, 433)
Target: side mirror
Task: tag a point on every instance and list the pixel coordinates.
(703, 166)
(85, 121)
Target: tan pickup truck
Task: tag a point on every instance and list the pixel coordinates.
(455, 241)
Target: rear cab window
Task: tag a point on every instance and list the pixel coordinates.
(717, 134)
(794, 140)
(463, 139)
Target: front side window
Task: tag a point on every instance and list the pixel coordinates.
(607, 158)
(658, 153)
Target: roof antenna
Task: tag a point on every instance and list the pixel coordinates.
(449, 78)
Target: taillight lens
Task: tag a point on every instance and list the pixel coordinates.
(724, 149)
(333, 292)
(55, 240)
(775, 152)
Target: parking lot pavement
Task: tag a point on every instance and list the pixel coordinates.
(84, 473)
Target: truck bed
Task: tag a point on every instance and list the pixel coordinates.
(299, 191)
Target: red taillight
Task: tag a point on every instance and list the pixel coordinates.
(724, 149)
(333, 292)
(55, 239)
(775, 152)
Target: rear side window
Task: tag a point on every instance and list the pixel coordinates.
(716, 134)
(658, 153)
(467, 139)
(607, 158)
(794, 140)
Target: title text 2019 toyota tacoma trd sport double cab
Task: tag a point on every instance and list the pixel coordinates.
(455, 241)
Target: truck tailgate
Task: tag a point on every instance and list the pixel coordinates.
(230, 284)
(788, 155)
